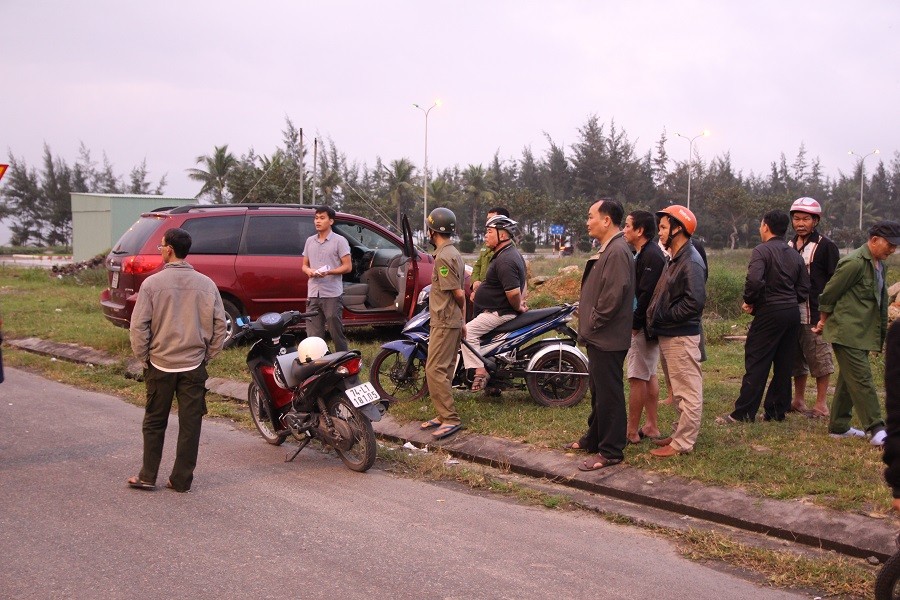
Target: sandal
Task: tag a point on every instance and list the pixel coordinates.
(597, 463)
(139, 484)
(817, 413)
(480, 382)
(573, 447)
(446, 430)
(431, 424)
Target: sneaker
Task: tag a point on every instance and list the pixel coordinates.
(850, 433)
(878, 438)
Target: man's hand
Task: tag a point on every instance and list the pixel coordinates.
(747, 308)
(896, 504)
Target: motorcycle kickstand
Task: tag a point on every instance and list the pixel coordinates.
(300, 447)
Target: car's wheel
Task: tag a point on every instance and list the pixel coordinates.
(231, 314)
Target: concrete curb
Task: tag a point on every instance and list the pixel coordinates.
(847, 533)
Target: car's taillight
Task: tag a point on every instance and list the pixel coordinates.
(351, 367)
(142, 263)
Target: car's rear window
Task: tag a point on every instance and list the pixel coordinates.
(134, 239)
(283, 235)
(214, 235)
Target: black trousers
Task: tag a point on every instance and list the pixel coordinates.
(607, 421)
(771, 345)
(162, 387)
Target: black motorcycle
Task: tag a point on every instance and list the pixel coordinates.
(308, 396)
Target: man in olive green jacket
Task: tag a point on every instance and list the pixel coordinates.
(853, 317)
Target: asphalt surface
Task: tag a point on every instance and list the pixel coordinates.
(257, 527)
(850, 533)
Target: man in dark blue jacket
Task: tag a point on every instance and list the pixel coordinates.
(674, 316)
(776, 282)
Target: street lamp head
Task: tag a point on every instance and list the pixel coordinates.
(706, 133)
(438, 102)
(876, 151)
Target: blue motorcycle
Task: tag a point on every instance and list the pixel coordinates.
(516, 355)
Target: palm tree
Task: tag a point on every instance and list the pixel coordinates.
(215, 177)
(401, 192)
(479, 188)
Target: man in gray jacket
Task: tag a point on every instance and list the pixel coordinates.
(178, 325)
(604, 326)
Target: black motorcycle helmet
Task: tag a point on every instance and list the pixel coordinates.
(442, 220)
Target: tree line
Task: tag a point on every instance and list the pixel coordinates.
(554, 188)
(38, 204)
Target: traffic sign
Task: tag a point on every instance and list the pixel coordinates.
(3, 169)
(557, 229)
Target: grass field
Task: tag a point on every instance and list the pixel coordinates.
(795, 459)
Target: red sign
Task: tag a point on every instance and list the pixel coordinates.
(3, 169)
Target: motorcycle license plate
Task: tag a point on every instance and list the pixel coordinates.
(363, 394)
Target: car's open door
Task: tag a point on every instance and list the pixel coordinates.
(408, 272)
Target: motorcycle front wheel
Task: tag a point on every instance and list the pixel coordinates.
(558, 385)
(887, 584)
(388, 376)
(259, 411)
(358, 453)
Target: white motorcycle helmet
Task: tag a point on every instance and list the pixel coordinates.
(310, 349)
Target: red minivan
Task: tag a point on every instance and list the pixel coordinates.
(253, 253)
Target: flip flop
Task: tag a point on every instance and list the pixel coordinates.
(172, 487)
(431, 424)
(137, 483)
(480, 382)
(446, 430)
(597, 463)
(644, 436)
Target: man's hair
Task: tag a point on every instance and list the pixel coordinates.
(179, 240)
(499, 210)
(777, 221)
(641, 219)
(611, 209)
(326, 209)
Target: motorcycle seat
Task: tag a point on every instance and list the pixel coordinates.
(528, 318)
(296, 372)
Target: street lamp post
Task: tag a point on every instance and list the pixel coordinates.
(862, 178)
(704, 133)
(425, 187)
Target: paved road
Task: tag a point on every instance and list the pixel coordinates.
(256, 527)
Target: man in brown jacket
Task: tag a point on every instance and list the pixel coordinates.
(604, 326)
(177, 327)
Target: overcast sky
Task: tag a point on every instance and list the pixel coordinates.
(167, 81)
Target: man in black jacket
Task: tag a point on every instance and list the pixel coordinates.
(821, 256)
(776, 281)
(643, 356)
(892, 409)
(674, 316)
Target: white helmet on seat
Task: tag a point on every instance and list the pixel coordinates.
(310, 349)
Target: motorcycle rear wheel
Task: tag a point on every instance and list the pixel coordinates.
(387, 377)
(360, 455)
(558, 389)
(259, 411)
(887, 584)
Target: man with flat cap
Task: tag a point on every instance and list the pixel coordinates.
(853, 317)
